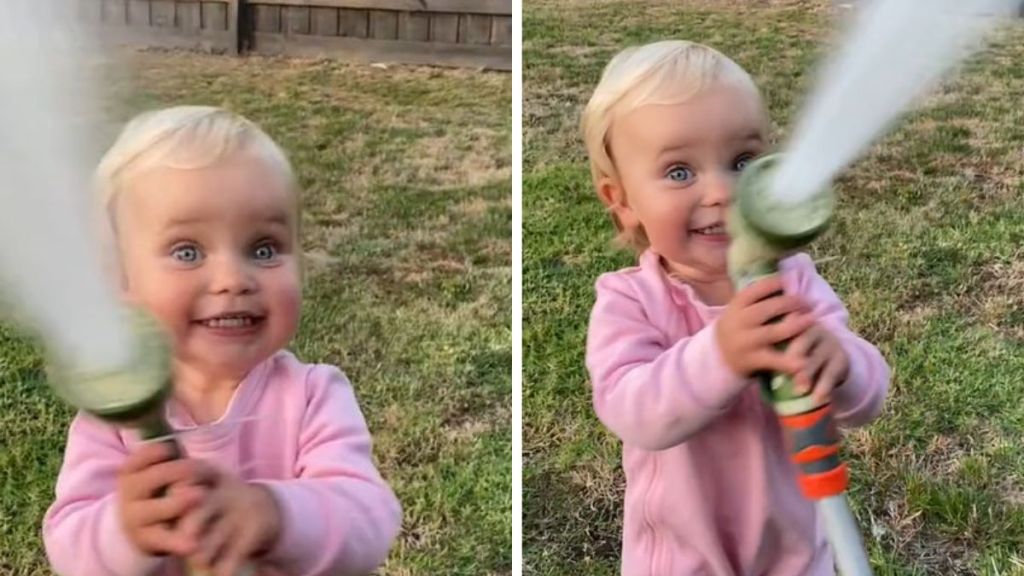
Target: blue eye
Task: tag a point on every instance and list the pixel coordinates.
(187, 254)
(265, 252)
(742, 162)
(680, 174)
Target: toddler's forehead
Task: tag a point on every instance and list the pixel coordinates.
(682, 90)
(255, 182)
(668, 99)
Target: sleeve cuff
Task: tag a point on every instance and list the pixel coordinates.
(116, 551)
(850, 394)
(714, 384)
(303, 524)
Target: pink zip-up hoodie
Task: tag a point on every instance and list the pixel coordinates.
(295, 428)
(709, 487)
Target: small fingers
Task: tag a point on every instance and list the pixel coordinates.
(759, 290)
(145, 456)
(831, 376)
(791, 327)
(809, 378)
(159, 476)
(769, 310)
(162, 539)
(168, 508)
(213, 543)
(134, 482)
(194, 524)
(236, 556)
(802, 383)
(804, 343)
(775, 361)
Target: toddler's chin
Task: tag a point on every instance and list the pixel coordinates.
(228, 365)
(687, 257)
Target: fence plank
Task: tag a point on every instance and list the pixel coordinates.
(296, 19)
(138, 13)
(383, 25)
(214, 15)
(501, 31)
(267, 18)
(502, 7)
(414, 26)
(417, 33)
(115, 12)
(90, 11)
(354, 23)
(370, 51)
(190, 16)
(219, 42)
(474, 29)
(444, 28)
(162, 13)
(325, 21)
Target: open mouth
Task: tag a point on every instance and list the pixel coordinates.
(716, 229)
(231, 321)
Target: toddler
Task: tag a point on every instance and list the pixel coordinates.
(204, 213)
(671, 349)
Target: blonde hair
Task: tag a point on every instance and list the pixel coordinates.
(661, 73)
(181, 138)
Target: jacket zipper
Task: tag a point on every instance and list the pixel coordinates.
(647, 515)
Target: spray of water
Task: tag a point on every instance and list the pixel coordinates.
(896, 50)
(50, 270)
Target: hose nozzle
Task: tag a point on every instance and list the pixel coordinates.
(763, 228)
(130, 395)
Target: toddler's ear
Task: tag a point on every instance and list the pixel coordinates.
(110, 255)
(126, 295)
(118, 279)
(614, 198)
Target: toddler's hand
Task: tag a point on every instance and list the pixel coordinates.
(148, 519)
(748, 342)
(236, 522)
(827, 363)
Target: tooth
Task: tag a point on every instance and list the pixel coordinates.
(229, 322)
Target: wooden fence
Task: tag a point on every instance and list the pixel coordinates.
(472, 33)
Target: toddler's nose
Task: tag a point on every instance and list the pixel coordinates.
(718, 189)
(232, 277)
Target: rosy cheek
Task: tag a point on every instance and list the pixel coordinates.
(289, 299)
(162, 297)
(295, 301)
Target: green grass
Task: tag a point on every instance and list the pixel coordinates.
(407, 183)
(927, 257)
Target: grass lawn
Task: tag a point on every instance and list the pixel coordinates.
(927, 252)
(407, 178)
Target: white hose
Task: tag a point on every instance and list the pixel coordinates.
(895, 52)
(50, 268)
(843, 534)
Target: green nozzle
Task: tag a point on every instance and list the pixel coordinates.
(784, 226)
(763, 229)
(127, 395)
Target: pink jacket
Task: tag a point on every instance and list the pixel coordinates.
(709, 487)
(307, 441)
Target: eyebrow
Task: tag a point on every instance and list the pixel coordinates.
(275, 217)
(182, 222)
(684, 144)
(752, 136)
